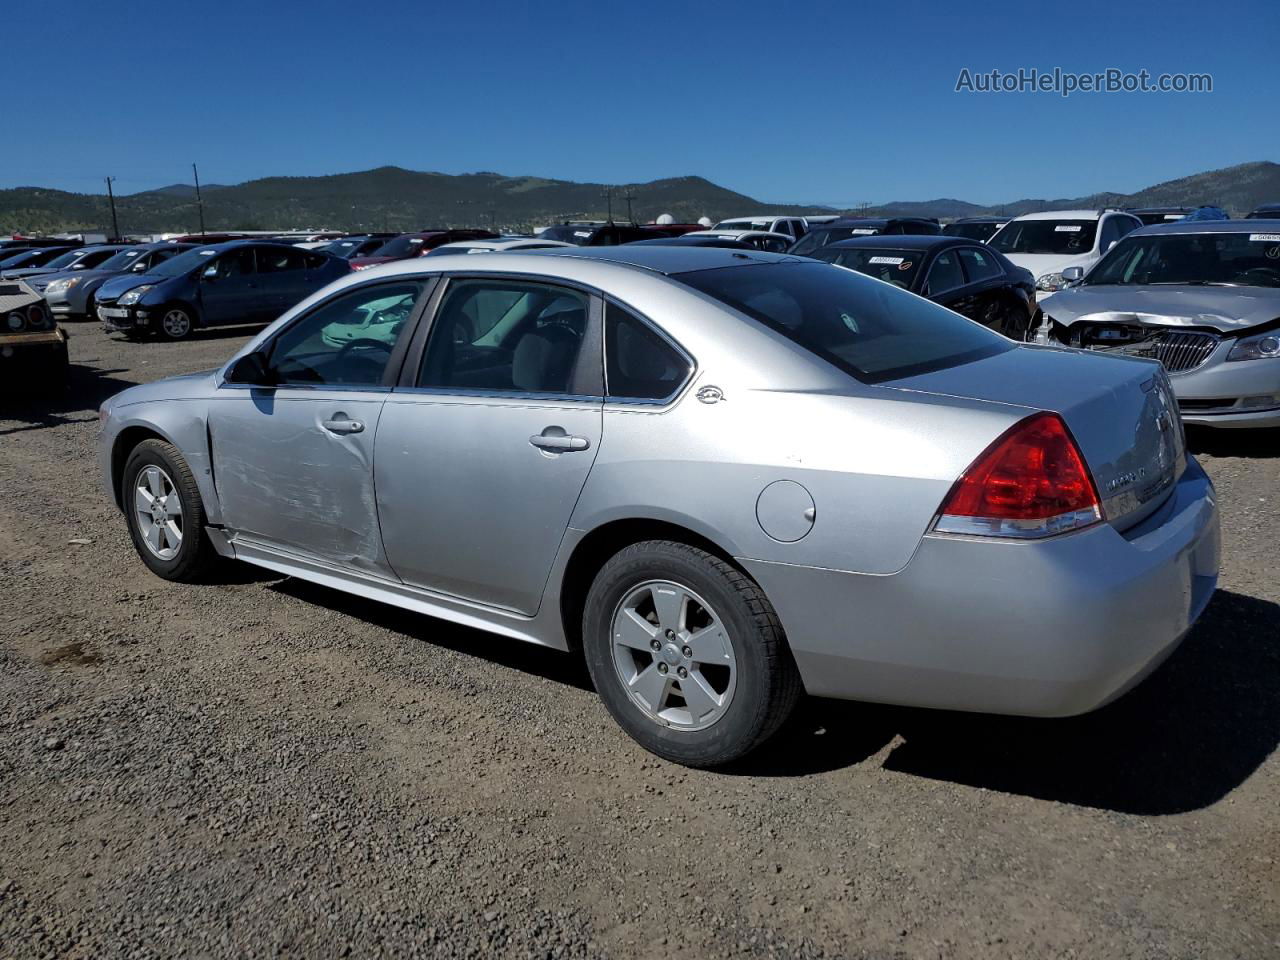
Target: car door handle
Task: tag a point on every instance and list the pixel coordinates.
(343, 426)
(559, 444)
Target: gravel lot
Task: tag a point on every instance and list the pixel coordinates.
(266, 767)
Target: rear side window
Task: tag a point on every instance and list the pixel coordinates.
(639, 364)
(872, 331)
(979, 265)
(279, 259)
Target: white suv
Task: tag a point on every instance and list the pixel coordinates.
(794, 227)
(1047, 243)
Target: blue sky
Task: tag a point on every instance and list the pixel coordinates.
(838, 102)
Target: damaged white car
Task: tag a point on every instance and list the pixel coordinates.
(1203, 299)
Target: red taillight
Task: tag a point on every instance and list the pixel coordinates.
(1031, 482)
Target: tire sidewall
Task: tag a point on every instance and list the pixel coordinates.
(745, 716)
(153, 454)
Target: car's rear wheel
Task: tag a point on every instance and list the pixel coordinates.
(176, 322)
(165, 514)
(687, 653)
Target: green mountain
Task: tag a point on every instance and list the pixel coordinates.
(391, 198)
(388, 198)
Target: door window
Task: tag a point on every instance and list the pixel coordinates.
(347, 341)
(639, 364)
(506, 336)
(234, 263)
(944, 275)
(979, 265)
(280, 260)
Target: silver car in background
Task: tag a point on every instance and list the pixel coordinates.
(726, 476)
(1201, 297)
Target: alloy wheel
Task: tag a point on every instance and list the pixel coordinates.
(158, 510)
(176, 323)
(673, 655)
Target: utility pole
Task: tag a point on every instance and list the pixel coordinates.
(629, 196)
(608, 199)
(199, 201)
(115, 226)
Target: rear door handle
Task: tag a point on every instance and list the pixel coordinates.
(559, 444)
(343, 426)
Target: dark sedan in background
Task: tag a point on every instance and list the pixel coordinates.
(848, 227)
(241, 281)
(961, 275)
(357, 245)
(70, 295)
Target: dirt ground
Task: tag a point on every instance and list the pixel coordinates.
(266, 767)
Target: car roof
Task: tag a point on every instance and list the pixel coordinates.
(1210, 226)
(903, 241)
(1157, 209)
(990, 219)
(737, 234)
(1065, 215)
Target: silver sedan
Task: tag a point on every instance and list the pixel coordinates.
(724, 476)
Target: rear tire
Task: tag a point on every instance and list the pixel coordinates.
(165, 514)
(687, 654)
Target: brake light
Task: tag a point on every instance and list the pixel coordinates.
(1031, 482)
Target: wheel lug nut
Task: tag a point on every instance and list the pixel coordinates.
(671, 634)
(683, 672)
(688, 652)
(662, 668)
(655, 644)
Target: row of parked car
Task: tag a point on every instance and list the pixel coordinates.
(1191, 289)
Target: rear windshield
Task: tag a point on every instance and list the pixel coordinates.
(569, 233)
(401, 248)
(898, 267)
(971, 231)
(872, 331)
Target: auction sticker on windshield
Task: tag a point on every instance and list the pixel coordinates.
(1264, 237)
(890, 260)
(1067, 228)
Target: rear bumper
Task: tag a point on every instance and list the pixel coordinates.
(1053, 628)
(27, 355)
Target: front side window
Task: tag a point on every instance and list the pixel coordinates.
(347, 341)
(233, 263)
(1065, 237)
(506, 337)
(122, 260)
(639, 364)
(872, 331)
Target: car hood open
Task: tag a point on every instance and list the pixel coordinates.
(1226, 309)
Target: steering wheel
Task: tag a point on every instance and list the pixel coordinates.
(375, 365)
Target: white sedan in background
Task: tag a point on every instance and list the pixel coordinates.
(765, 240)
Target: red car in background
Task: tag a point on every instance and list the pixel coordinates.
(409, 245)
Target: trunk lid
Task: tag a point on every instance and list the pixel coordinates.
(1119, 409)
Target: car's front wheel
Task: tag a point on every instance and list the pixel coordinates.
(687, 653)
(176, 322)
(165, 514)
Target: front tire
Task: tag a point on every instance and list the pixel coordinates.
(687, 654)
(165, 514)
(176, 322)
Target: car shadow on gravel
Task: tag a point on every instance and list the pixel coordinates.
(1253, 444)
(87, 386)
(1193, 731)
(503, 651)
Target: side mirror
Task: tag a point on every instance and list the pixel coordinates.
(1073, 274)
(210, 272)
(251, 369)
